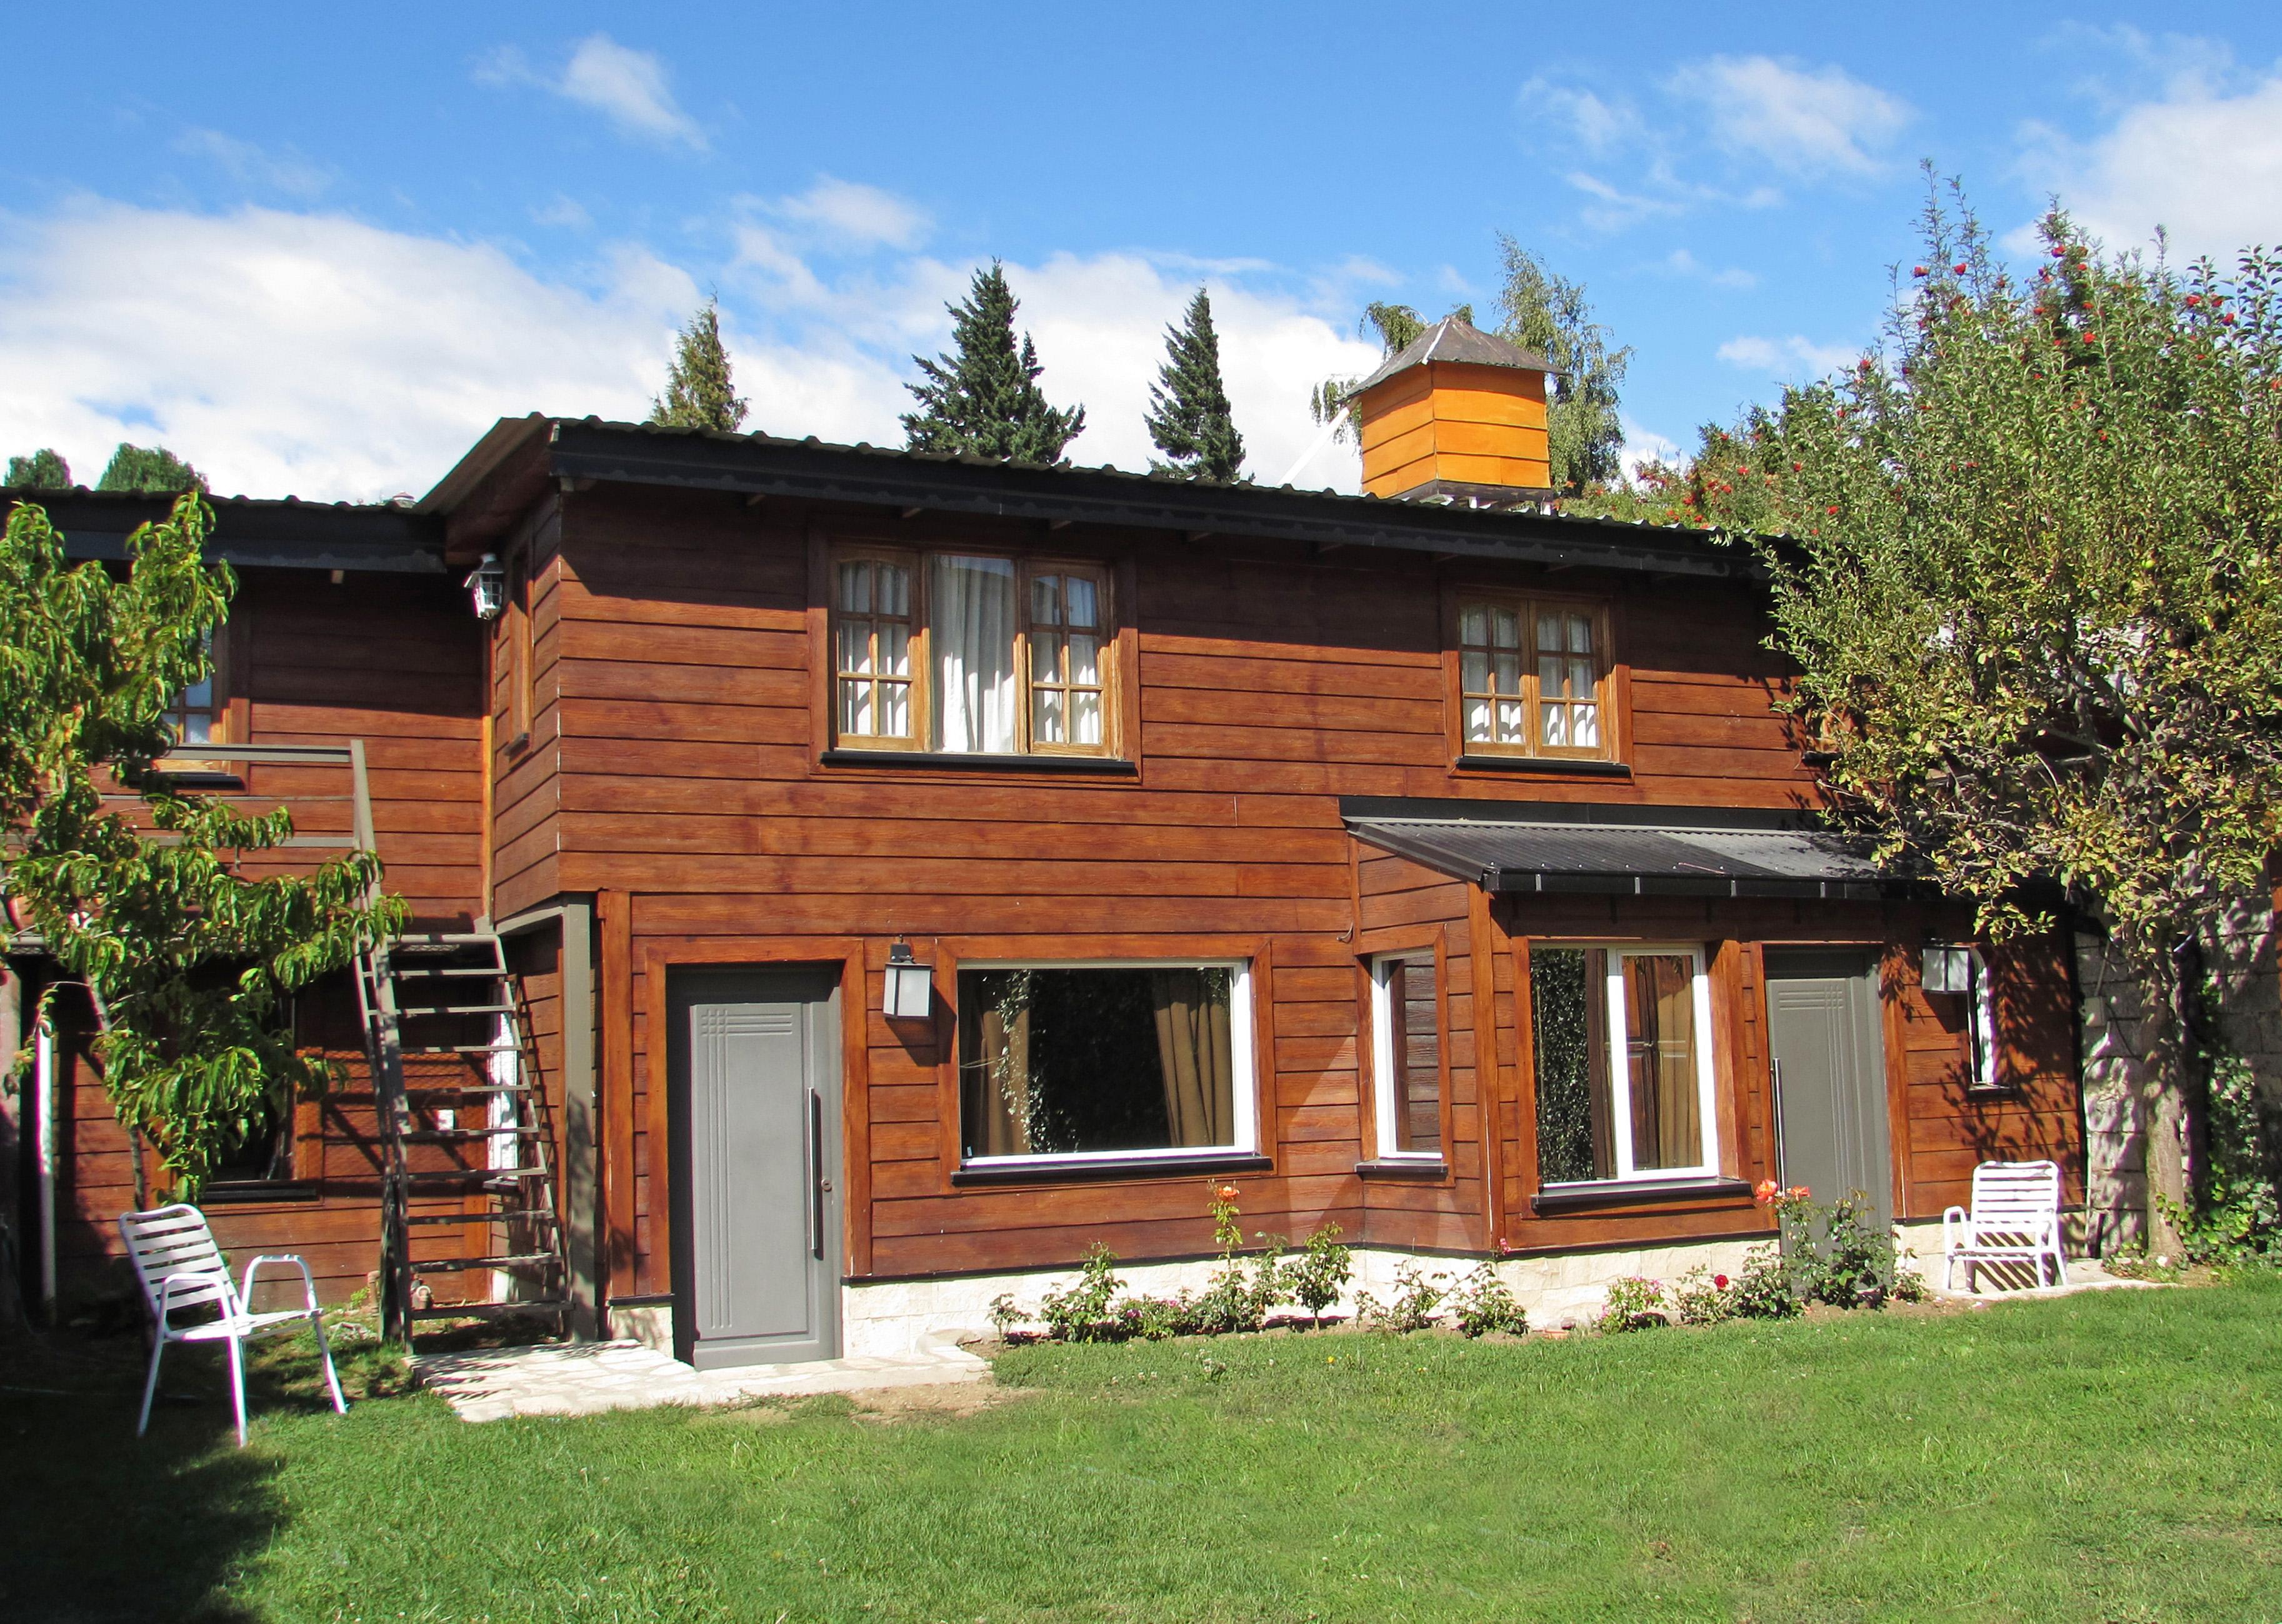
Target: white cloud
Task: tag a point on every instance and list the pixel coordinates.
(315, 355)
(1643, 446)
(2204, 165)
(1793, 358)
(253, 166)
(1595, 124)
(565, 212)
(858, 214)
(1680, 262)
(1808, 122)
(628, 87)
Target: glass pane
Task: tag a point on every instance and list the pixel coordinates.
(200, 694)
(854, 637)
(855, 588)
(1660, 1060)
(1478, 720)
(895, 648)
(1046, 599)
(1060, 1061)
(1415, 1043)
(1509, 673)
(196, 728)
(895, 589)
(1554, 725)
(974, 619)
(1580, 635)
(895, 702)
(1581, 679)
(856, 708)
(1081, 609)
(1046, 717)
(1505, 627)
(1046, 657)
(1569, 1021)
(1585, 727)
(1085, 712)
(1548, 634)
(1473, 625)
(1508, 720)
(1550, 670)
(1084, 659)
(1474, 673)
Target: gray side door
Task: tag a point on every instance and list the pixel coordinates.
(756, 1096)
(1829, 1051)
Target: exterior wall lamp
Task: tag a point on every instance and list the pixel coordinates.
(486, 585)
(909, 992)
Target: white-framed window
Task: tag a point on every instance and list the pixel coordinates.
(1962, 973)
(1406, 1035)
(1622, 1035)
(1128, 1060)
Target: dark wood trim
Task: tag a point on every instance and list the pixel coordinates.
(284, 1193)
(1489, 1088)
(1555, 765)
(855, 1114)
(844, 756)
(1092, 1172)
(1630, 1192)
(1525, 1068)
(1424, 1171)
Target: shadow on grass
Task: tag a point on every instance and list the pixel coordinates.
(102, 1526)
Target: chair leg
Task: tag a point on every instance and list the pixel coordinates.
(325, 1353)
(237, 1382)
(150, 1382)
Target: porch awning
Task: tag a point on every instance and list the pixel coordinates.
(1629, 859)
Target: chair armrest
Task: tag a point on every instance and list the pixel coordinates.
(191, 1279)
(308, 1283)
(1953, 1219)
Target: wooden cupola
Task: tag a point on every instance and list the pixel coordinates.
(1457, 416)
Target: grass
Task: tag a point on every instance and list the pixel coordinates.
(2113, 1456)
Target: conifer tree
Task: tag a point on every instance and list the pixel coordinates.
(44, 469)
(699, 391)
(981, 398)
(150, 467)
(1188, 415)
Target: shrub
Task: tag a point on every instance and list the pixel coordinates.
(1483, 1303)
(1004, 1315)
(1702, 1298)
(1763, 1286)
(1321, 1273)
(1634, 1303)
(1085, 1312)
(1416, 1298)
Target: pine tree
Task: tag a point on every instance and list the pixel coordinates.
(44, 469)
(699, 393)
(982, 398)
(1188, 415)
(150, 467)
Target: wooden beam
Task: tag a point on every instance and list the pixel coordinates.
(614, 988)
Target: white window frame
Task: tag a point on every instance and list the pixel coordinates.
(1243, 1069)
(1620, 1083)
(1382, 1052)
(1980, 1017)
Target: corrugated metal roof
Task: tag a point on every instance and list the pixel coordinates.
(1630, 860)
(1452, 339)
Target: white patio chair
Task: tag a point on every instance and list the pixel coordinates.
(2016, 1219)
(180, 1268)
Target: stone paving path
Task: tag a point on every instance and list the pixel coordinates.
(2083, 1274)
(567, 1378)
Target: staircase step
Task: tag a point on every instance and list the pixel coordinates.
(456, 1135)
(450, 1265)
(502, 1175)
(421, 1091)
(514, 1214)
(405, 972)
(459, 1048)
(492, 1310)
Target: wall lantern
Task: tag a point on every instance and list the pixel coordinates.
(909, 994)
(486, 584)
(1946, 970)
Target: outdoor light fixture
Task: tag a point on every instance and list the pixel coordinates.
(1946, 970)
(486, 584)
(910, 991)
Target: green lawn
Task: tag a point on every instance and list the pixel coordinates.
(2115, 1456)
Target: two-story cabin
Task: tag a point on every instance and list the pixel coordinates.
(919, 870)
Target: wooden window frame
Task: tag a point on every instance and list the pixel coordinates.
(1380, 1039)
(1526, 606)
(1111, 674)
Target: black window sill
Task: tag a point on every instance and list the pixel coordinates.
(236, 1195)
(1629, 1193)
(1404, 1167)
(214, 780)
(1112, 766)
(1083, 1172)
(1544, 764)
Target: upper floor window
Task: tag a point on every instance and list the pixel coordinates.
(198, 712)
(1531, 677)
(971, 654)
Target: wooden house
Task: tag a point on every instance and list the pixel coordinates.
(916, 871)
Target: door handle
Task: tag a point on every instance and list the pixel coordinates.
(817, 1184)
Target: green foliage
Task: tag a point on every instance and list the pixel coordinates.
(1634, 1303)
(1417, 1297)
(1839, 1253)
(699, 391)
(1394, 326)
(982, 399)
(44, 469)
(1483, 1303)
(1234, 1298)
(151, 469)
(1547, 313)
(1321, 1273)
(1082, 1312)
(2235, 1217)
(192, 967)
(1189, 418)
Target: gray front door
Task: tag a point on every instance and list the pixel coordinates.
(756, 1091)
(1829, 1050)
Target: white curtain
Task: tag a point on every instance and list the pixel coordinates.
(973, 627)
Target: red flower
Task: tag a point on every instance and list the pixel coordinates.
(2193, 299)
(1917, 270)
(2092, 338)
(2227, 320)
(1719, 1280)
(1764, 1191)
(1834, 509)
(1226, 1193)
(2060, 253)
(1959, 267)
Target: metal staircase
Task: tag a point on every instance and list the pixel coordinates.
(465, 1139)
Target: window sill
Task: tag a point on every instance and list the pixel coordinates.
(1075, 1173)
(1426, 1168)
(1107, 765)
(238, 1195)
(1633, 1193)
(1544, 764)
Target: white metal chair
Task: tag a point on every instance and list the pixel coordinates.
(2016, 1219)
(182, 1267)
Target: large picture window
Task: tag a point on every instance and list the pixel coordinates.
(1406, 1055)
(1622, 1035)
(1530, 677)
(971, 654)
(1081, 1062)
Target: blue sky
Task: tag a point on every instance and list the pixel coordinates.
(320, 256)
